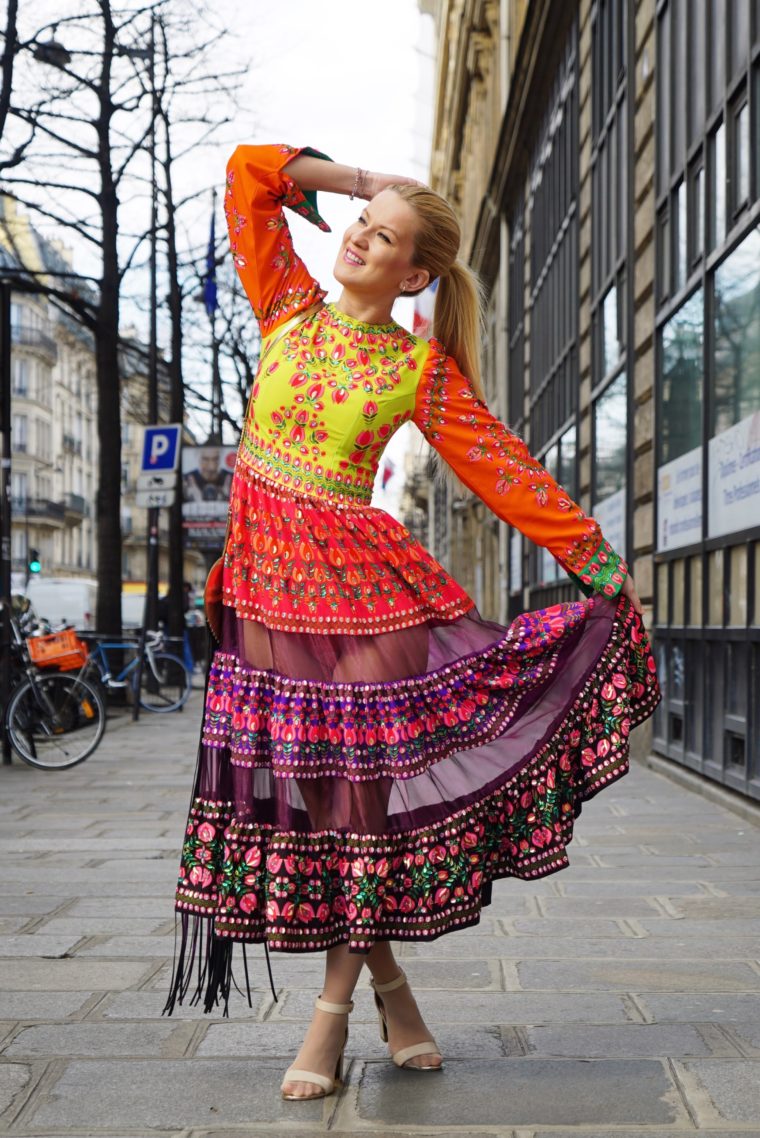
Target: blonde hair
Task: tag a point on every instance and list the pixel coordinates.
(458, 312)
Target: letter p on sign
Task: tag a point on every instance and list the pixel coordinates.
(160, 448)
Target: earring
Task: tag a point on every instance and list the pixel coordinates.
(402, 287)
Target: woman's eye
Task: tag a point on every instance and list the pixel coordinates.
(386, 239)
(362, 221)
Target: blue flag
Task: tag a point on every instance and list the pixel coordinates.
(209, 281)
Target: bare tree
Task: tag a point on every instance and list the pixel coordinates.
(109, 97)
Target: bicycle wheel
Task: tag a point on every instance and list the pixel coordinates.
(55, 721)
(165, 685)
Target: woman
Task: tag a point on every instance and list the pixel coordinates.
(374, 754)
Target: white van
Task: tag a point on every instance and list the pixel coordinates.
(64, 600)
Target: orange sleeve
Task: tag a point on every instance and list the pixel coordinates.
(275, 279)
(497, 466)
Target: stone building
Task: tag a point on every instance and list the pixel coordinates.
(604, 158)
(54, 440)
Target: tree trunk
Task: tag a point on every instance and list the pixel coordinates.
(108, 504)
(176, 530)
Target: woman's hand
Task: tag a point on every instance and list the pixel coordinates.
(629, 590)
(374, 183)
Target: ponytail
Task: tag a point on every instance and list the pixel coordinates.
(458, 320)
(458, 313)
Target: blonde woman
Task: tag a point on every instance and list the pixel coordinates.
(374, 754)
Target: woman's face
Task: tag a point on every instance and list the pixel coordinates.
(375, 257)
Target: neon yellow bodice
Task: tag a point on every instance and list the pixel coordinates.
(330, 395)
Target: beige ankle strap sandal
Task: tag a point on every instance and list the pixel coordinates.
(401, 1058)
(326, 1085)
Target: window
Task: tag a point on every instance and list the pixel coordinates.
(610, 436)
(19, 489)
(736, 331)
(741, 158)
(20, 376)
(20, 432)
(553, 202)
(612, 341)
(682, 370)
(719, 226)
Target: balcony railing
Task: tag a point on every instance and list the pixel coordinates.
(41, 509)
(26, 336)
(76, 506)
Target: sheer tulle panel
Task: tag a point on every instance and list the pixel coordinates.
(388, 805)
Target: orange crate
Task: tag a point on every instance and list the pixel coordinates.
(62, 650)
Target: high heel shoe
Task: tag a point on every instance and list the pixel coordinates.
(401, 1058)
(327, 1086)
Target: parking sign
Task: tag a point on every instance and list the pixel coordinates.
(160, 448)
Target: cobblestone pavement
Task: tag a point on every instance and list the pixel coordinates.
(619, 997)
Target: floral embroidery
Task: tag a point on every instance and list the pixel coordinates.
(498, 466)
(302, 564)
(309, 729)
(306, 891)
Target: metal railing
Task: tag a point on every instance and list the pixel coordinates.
(27, 336)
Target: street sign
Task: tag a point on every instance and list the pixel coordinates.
(160, 448)
(154, 499)
(158, 481)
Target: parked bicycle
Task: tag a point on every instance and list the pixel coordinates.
(165, 682)
(54, 719)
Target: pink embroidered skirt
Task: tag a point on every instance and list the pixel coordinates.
(357, 784)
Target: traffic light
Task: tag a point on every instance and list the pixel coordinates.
(34, 565)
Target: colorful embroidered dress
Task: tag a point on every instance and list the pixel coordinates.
(374, 754)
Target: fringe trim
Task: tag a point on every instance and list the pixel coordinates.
(205, 960)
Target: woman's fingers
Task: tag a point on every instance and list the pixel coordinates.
(374, 183)
(629, 590)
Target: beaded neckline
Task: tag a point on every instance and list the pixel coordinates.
(346, 321)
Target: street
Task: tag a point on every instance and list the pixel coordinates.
(619, 997)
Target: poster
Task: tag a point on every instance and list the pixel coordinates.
(679, 501)
(206, 484)
(734, 478)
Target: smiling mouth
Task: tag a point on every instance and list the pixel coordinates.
(352, 258)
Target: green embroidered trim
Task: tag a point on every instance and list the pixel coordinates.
(343, 320)
(604, 573)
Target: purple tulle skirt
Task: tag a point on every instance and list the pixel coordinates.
(352, 788)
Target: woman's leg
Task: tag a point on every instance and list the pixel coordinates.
(324, 1038)
(405, 1023)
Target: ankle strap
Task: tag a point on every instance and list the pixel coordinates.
(336, 1009)
(392, 984)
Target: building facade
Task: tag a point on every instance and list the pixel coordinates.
(604, 157)
(54, 440)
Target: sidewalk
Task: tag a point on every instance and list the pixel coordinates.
(620, 997)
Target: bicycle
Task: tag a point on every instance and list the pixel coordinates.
(54, 720)
(165, 682)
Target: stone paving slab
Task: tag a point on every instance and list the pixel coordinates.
(13, 1079)
(702, 1007)
(159, 1094)
(100, 1040)
(70, 975)
(55, 1006)
(634, 1040)
(642, 975)
(731, 1090)
(513, 1092)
